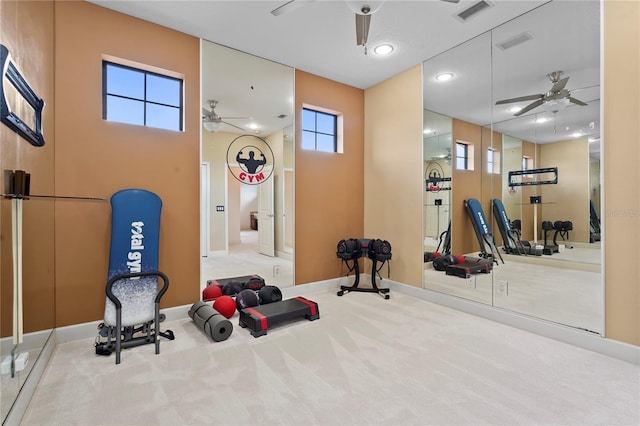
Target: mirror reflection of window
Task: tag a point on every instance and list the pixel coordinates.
(462, 156)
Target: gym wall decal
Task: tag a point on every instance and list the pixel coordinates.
(254, 158)
(25, 118)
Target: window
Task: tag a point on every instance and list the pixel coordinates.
(462, 156)
(493, 161)
(527, 163)
(319, 130)
(136, 96)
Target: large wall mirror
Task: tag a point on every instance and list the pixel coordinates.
(542, 111)
(247, 109)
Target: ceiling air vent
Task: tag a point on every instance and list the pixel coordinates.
(282, 115)
(514, 41)
(473, 10)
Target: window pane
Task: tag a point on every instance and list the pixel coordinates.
(308, 140)
(163, 90)
(308, 120)
(325, 143)
(163, 117)
(125, 82)
(461, 150)
(326, 123)
(125, 110)
(460, 163)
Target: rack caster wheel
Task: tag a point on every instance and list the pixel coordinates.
(340, 293)
(386, 297)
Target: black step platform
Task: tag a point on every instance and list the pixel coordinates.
(259, 318)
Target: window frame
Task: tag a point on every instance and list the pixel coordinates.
(336, 128)
(106, 62)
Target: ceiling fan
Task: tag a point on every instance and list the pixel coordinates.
(212, 121)
(557, 98)
(446, 158)
(363, 10)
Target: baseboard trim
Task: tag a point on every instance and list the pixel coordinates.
(563, 333)
(85, 330)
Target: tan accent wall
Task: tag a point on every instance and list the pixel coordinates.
(621, 148)
(394, 180)
(96, 158)
(27, 31)
(491, 182)
(466, 184)
(329, 187)
(569, 198)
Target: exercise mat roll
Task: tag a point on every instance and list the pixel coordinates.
(211, 321)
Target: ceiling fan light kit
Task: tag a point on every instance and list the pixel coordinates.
(555, 100)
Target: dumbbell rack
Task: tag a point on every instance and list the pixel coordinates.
(355, 268)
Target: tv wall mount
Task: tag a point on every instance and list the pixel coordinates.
(26, 117)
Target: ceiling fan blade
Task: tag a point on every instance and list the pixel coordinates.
(362, 28)
(289, 7)
(576, 101)
(233, 125)
(236, 118)
(559, 85)
(519, 99)
(206, 112)
(529, 107)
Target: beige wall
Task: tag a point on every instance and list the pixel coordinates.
(27, 31)
(621, 172)
(393, 171)
(94, 157)
(569, 199)
(329, 187)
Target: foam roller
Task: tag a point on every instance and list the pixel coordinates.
(211, 321)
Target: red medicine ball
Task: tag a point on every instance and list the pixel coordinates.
(211, 292)
(225, 305)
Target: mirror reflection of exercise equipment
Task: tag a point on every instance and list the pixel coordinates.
(546, 130)
(437, 175)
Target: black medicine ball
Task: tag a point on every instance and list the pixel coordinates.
(246, 299)
(231, 288)
(254, 283)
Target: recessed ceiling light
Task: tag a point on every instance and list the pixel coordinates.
(428, 131)
(515, 109)
(253, 126)
(541, 120)
(576, 134)
(383, 49)
(444, 76)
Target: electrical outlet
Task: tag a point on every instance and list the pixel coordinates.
(471, 282)
(503, 287)
(276, 270)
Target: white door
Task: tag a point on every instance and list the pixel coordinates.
(204, 209)
(266, 240)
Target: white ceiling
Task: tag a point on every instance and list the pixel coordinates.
(319, 38)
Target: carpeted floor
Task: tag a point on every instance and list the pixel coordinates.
(366, 361)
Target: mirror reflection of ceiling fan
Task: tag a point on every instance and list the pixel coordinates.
(557, 98)
(446, 158)
(363, 10)
(212, 121)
